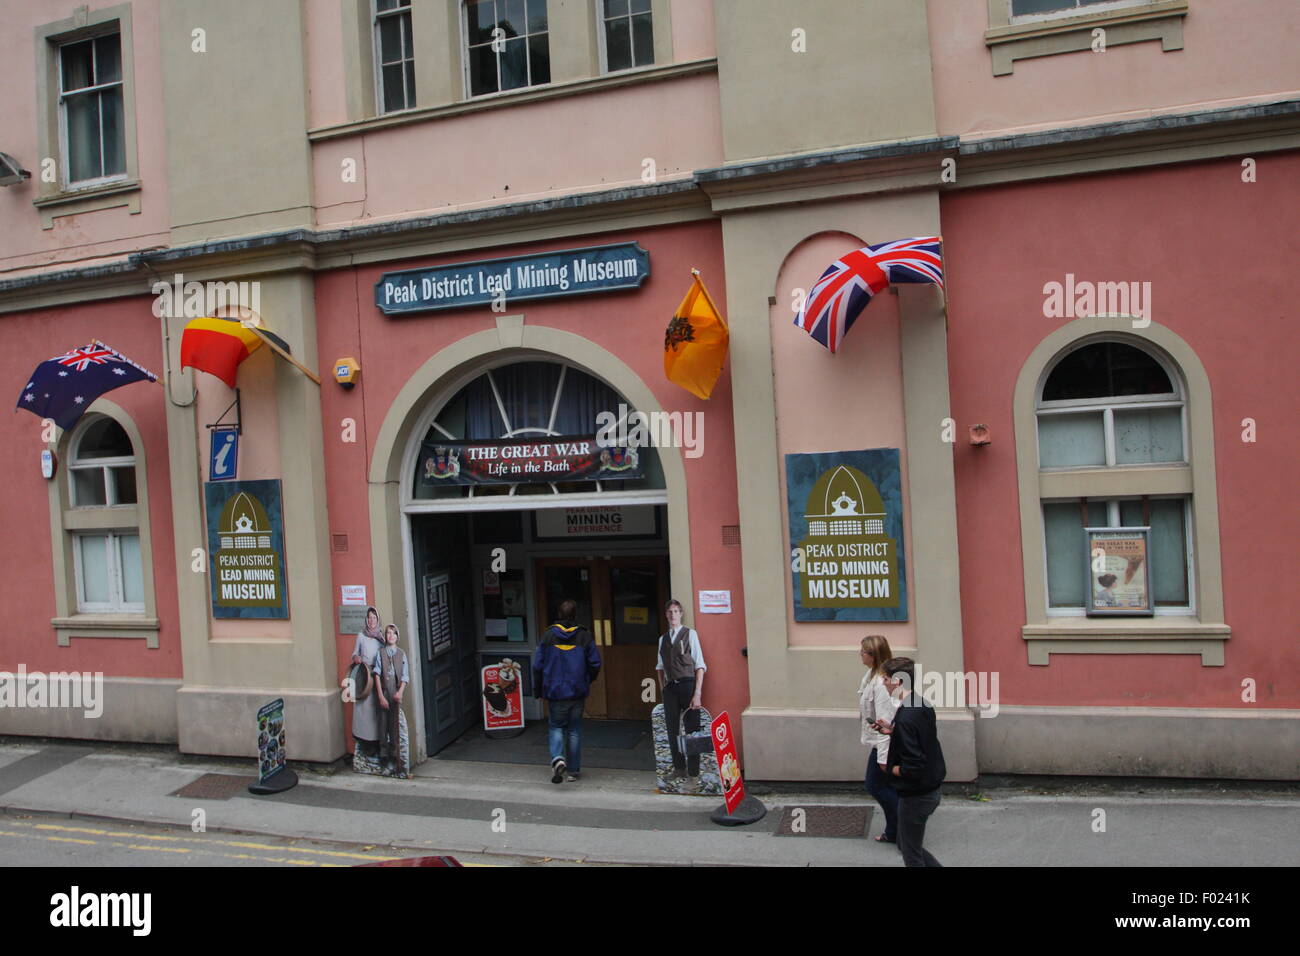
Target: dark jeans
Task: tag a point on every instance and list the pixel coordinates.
(878, 786)
(564, 722)
(913, 812)
(677, 698)
(393, 734)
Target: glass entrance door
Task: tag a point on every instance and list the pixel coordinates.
(620, 601)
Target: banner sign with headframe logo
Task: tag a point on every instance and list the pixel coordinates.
(846, 536)
(246, 545)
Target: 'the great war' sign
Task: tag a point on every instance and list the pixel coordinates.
(846, 535)
(526, 460)
(246, 544)
(624, 265)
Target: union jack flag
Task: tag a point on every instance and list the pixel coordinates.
(845, 289)
(86, 356)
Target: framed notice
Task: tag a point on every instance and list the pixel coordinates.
(437, 605)
(1119, 571)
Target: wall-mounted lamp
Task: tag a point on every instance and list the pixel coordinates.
(346, 371)
(979, 435)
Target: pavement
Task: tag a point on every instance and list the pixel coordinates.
(511, 813)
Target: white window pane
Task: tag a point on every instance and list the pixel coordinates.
(83, 136)
(132, 576)
(1148, 435)
(1063, 531)
(95, 588)
(1069, 440)
(1169, 551)
(88, 487)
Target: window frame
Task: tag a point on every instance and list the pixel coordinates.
(1201, 629)
(467, 65)
(1107, 406)
(1106, 7)
(74, 617)
(1112, 520)
(65, 197)
(117, 604)
(96, 90)
(106, 465)
(602, 44)
(404, 13)
(1017, 37)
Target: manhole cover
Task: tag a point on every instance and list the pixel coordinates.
(825, 821)
(214, 786)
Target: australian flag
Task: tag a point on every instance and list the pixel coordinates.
(64, 386)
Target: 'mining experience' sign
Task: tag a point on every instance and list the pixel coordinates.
(624, 265)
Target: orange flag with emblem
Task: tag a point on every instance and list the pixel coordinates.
(695, 343)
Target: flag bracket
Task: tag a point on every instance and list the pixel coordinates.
(239, 421)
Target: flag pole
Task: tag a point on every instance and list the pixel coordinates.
(284, 355)
(708, 298)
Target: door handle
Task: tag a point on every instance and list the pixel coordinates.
(609, 632)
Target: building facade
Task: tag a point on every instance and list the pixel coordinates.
(1086, 165)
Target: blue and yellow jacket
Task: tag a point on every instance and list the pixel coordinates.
(566, 662)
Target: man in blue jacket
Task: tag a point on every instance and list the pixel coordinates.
(915, 766)
(565, 665)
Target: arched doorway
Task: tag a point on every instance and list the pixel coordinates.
(514, 500)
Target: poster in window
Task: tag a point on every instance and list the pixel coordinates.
(1119, 571)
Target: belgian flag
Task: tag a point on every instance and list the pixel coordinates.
(218, 345)
(695, 343)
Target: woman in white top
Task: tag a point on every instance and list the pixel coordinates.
(875, 704)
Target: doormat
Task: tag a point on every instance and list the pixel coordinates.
(852, 821)
(214, 786)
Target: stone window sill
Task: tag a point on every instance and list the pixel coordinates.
(137, 626)
(1155, 635)
(1161, 20)
(70, 202)
(530, 94)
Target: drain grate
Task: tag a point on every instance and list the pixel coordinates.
(214, 786)
(851, 821)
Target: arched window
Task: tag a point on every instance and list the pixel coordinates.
(107, 563)
(1109, 405)
(102, 465)
(526, 399)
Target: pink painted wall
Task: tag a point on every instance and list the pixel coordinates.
(526, 151)
(1234, 51)
(87, 236)
(1002, 244)
(629, 324)
(26, 576)
(812, 415)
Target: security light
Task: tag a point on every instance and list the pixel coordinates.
(10, 171)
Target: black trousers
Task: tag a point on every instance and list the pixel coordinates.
(913, 812)
(677, 698)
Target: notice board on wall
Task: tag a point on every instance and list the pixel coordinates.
(846, 536)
